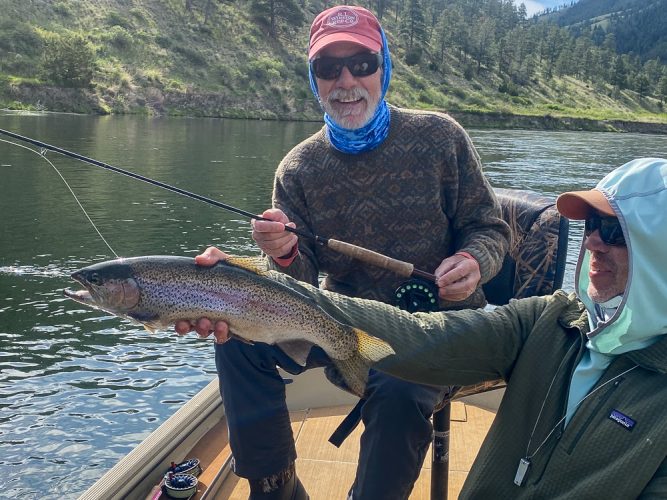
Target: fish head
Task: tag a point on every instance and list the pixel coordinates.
(109, 286)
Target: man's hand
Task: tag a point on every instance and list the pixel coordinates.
(457, 277)
(203, 326)
(271, 237)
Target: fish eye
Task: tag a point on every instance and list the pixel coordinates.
(95, 279)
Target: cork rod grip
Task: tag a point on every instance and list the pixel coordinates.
(369, 256)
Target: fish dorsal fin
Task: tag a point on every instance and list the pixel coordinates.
(372, 348)
(256, 265)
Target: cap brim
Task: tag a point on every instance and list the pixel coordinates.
(358, 39)
(578, 205)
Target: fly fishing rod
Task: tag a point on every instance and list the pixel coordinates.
(399, 267)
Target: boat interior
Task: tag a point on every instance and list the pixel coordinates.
(198, 430)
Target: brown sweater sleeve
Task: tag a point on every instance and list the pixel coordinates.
(478, 224)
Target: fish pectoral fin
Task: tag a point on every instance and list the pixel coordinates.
(256, 265)
(298, 350)
(149, 328)
(371, 348)
(148, 320)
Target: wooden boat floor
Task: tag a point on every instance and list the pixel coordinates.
(327, 472)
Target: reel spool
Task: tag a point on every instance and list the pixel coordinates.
(417, 295)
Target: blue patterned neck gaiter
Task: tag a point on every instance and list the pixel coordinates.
(371, 135)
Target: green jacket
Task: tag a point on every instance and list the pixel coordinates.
(533, 344)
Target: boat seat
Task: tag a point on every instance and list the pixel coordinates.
(534, 265)
(535, 262)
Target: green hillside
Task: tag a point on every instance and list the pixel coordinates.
(637, 26)
(248, 59)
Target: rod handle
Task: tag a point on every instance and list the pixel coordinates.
(399, 267)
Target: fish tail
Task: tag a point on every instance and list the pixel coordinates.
(350, 374)
(372, 349)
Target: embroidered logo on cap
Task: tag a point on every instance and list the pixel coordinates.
(622, 420)
(343, 18)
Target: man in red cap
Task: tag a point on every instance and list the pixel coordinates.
(404, 183)
(584, 414)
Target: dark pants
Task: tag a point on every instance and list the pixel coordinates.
(397, 429)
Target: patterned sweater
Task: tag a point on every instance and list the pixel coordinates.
(419, 197)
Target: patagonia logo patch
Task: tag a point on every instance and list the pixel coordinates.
(622, 420)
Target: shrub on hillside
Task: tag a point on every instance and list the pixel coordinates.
(413, 56)
(522, 101)
(114, 18)
(507, 87)
(119, 38)
(193, 57)
(265, 68)
(62, 9)
(477, 101)
(458, 92)
(69, 60)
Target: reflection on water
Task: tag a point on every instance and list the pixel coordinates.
(79, 388)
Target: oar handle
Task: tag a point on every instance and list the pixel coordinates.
(399, 267)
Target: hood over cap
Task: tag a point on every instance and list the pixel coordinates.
(637, 194)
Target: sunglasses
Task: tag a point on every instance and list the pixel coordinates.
(330, 68)
(609, 227)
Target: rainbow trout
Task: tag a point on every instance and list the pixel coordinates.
(157, 291)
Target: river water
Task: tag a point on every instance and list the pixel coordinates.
(78, 388)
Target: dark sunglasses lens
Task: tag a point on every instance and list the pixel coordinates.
(327, 68)
(611, 232)
(330, 68)
(591, 224)
(363, 64)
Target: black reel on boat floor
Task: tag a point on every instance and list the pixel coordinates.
(417, 295)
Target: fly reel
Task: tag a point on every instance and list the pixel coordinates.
(417, 295)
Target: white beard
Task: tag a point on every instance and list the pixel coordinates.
(348, 118)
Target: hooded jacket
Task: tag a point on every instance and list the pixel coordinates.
(637, 192)
(615, 445)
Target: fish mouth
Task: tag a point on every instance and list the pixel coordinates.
(83, 296)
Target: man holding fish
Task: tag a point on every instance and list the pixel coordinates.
(584, 413)
(407, 184)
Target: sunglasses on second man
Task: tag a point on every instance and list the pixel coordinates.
(610, 229)
(330, 68)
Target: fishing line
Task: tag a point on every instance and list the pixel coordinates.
(396, 266)
(42, 154)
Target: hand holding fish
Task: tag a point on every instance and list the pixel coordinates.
(271, 237)
(204, 327)
(457, 277)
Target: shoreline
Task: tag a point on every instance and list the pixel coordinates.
(481, 119)
(499, 120)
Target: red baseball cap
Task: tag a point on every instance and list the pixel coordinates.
(345, 23)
